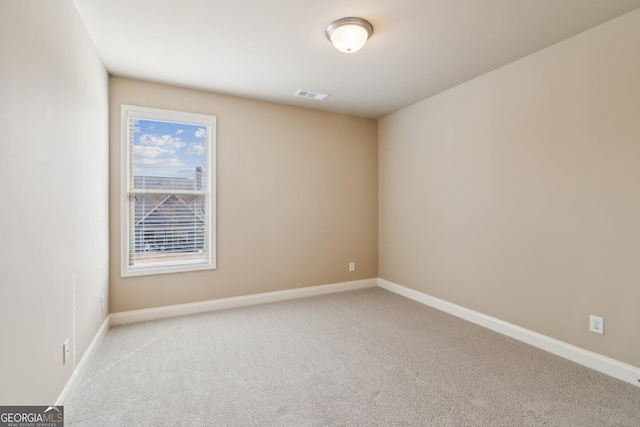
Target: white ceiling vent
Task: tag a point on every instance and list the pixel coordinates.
(311, 95)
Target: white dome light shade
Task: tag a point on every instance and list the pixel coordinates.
(348, 35)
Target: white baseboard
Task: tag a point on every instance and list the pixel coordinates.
(606, 365)
(134, 316)
(66, 394)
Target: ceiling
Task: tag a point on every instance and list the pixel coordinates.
(268, 49)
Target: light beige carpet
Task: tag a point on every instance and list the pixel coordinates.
(361, 358)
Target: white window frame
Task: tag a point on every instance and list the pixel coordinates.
(126, 177)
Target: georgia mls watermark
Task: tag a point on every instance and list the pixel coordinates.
(31, 416)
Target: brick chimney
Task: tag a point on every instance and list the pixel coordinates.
(198, 178)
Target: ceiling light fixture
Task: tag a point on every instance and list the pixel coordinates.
(348, 35)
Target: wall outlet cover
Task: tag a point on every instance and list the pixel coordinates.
(66, 350)
(596, 324)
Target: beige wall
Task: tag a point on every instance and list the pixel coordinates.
(297, 198)
(53, 221)
(517, 194)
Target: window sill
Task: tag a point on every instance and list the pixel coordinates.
(164, 269)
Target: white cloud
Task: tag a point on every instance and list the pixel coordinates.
(179, 131)
(161, 141)
(136, 129)
(201, 133)
(198, 150)
(147, 152)
(159, 163)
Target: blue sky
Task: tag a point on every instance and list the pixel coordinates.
(168, 149)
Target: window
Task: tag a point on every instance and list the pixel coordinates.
(168, 191)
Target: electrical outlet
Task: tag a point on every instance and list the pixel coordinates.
(352, 266)
(66, 350)
(596, 324)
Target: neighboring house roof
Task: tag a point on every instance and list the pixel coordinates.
(165, 182)
(155, 211)
(172, 221)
